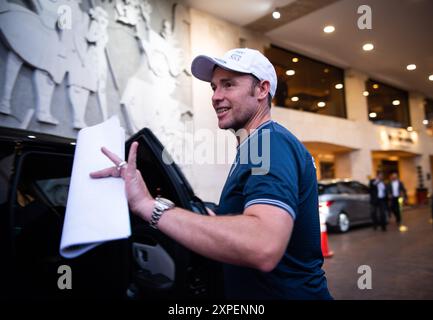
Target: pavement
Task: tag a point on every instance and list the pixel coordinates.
(377, 265)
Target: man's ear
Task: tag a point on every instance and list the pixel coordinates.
(264, 88)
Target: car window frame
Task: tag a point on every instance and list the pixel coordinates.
(359, 186)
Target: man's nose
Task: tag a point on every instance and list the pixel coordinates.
(217, 96)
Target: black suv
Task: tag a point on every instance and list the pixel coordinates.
(35, 170)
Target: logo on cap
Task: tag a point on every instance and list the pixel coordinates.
(235, 57)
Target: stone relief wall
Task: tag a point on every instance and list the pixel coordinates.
(68, 64)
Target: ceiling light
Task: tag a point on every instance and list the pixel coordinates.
(410, 129)
(375, 86)
(294, 99)
(430, 77)
(365, 93)
(396, 103)
(425, 122)
(411, 67)
(290, 72)
(339, 86)
(372, 115)
(368, 47)
(295, 60)
(73, 143)
(326, 70)
(31, 137)
(329, 29)
(321, 104)
(276, 14)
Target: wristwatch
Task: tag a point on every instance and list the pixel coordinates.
(161, 205)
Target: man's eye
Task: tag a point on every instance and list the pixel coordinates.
(227, 85)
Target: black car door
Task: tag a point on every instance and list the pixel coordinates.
(162, 268)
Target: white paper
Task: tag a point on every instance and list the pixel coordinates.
(97, 209)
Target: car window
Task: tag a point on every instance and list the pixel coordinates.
(55, 190)
(359, 188)
(44, 182)
(328, 189)
(345, 188)
(154, 174)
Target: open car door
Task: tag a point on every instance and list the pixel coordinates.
(162, 268)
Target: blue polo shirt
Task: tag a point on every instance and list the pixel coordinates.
(273, 167)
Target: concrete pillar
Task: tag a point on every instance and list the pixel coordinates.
(416, 110)
(343, 165)
(356, 102)
(356, 165)
(408, 175)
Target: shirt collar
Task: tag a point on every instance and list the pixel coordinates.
(254, 132)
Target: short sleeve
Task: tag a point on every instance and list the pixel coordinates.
(279, 185)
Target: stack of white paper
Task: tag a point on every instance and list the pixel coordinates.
(97, 209)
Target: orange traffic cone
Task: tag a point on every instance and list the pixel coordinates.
(324, 237)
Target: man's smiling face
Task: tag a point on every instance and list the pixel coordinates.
(234, 98)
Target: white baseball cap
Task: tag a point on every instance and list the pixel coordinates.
(242, 60)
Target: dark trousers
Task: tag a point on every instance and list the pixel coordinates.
(378, 214)
(395, 209)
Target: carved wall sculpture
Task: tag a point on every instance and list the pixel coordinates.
(66, 64)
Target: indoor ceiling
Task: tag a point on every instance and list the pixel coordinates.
(401, 34)
(239, 12)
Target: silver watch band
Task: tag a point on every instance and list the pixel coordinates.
(160, 207)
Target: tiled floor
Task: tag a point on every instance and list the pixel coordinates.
(401, 262)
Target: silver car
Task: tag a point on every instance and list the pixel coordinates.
(344, 203)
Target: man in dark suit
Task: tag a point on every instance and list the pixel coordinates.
(395, 190)
(378, 201)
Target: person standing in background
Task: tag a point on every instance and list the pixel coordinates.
(396, 190)
(378, 201)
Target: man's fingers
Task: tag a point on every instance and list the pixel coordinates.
(108, 172)
(112, 156)
(114, 171)
(132, 159)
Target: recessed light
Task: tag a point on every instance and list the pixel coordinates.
(31, 137)
(294, 99)
(430, 77)
(290, 72)
(295, 59)
(368, 47)
(276, 14)
(409, 129)
(396, 102)
(329, 29)
(372, 115)
(425, 122)
(411, 67)
(339, 86)
(321, 104)
(365, 93)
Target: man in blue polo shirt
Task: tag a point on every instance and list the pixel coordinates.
(266, 230)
